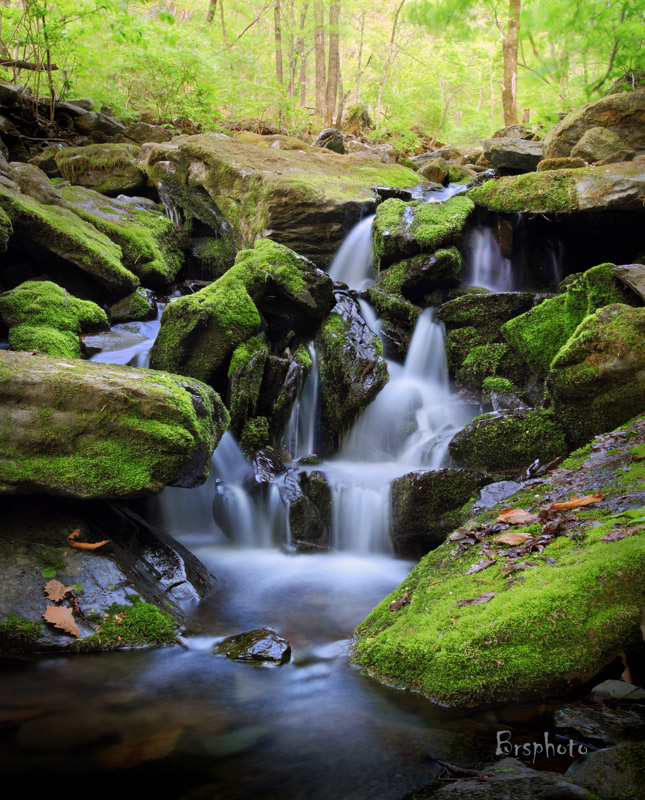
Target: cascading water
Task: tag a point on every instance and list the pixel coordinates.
(487, 267)
(127, 343)
(301, 438)
(352, 263)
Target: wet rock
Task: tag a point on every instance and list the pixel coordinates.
(509, 441)
(612, 774)
(35, 183)
(426, 505)
(622, 114)
(510, 779)
(245, 379)
(597, 380)
(353, 370)
(598, 143)
(619, 690)
(309, 497)
(6, 229)
(600, 725)
(493, 494)
(436, 170)
(330, 138)
(485, 312)
(632, 275)
(261, 646)
(213, 256)
(416, 277)
(139, 563)
(267, 466)
(91, 430)
(139, 306)
(403, 229)
(513, 155)
(107, 168)
(283, 378)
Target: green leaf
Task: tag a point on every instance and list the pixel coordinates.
(78, 587)
(50, 572)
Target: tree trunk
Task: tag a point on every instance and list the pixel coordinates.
(341, 100)
(319, 53)
(334, 62)
(210, 14)
(509, 45)
(299, 52)
(278, 41)
(388, 60)
(360, 57)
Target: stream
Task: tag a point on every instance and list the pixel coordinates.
(184, 722)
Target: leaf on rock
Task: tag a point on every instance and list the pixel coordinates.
(513, 538)
(516, 516)
(61, 617)
(479, 566)
(56, 591)
(621, 533)
(476, 601)
(578, 502)
(71, 541)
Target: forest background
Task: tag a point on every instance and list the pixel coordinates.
(452, 70)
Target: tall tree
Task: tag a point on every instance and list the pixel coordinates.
(388, 61)
(278, 40)
(333, 71)
(510, 38)
(319, 55)
(210, 14)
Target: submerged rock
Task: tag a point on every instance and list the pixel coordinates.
(600, 725)
(261, 646)
(87, 430)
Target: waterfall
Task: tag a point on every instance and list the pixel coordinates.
(487, 267)
(352, 263)
(128, 342)
(301, 438)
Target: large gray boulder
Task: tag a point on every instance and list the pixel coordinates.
(83, 429)
(599, 143)
(513, 154)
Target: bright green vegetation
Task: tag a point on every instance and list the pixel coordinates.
(553, 191)
(18, 634)
(104, 167)
(303, 358)
(95, 430)
(493, 442)
(43, 303)
(485, 361)
(561, 624)
(137, 625)
(6, 229)
(255, 435)
(245, 380)
(45, 341)
(134, 307)
(64, 233)
(498, 386)
(149, 241)
(538, 334)
(215, 256)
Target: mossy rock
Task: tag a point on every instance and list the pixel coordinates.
(561, 163)
(538, 334)
(512, 441)
(599, 143)
(213, 256)
(137, 624)
(416, 277)
(84, 429)
(407, 229)
(486, 361)
(139, 306)
(597, 379)
(43, 303)
(569, 617)
(107, 168)
(63, 233)
(6, 229)
(485, 312)
(149, 241)
(259, 646)
(246, 371)
(44, 340)
(255, 435)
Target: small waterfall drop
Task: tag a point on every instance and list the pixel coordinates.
(302, 436)
(128, 342)
(487, 267)
(352, 263)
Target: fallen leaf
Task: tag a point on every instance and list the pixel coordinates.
(513, 538)
(479, 566)
(476, 601)
(146, 747)
(62, 617)
(516, 516)
(71, 541)
(396, 605)
(56, 591)
(578, 502)
(616, 534)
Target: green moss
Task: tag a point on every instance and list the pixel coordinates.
(303, 358)
(577, 458)
(499, 386)
(215, 256)
(45, 341)
(107, 168)
(485, 361)
(255, 435)
(538, 334)
(137, 625)
(18, 634)
(458, 174)
(42, 303)
(6, 229)
(551, 191)
(245, 380)
(149, 241)
(137, 306)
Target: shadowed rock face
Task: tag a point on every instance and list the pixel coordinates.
(87, 430)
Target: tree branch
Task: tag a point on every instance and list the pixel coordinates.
(9, 62)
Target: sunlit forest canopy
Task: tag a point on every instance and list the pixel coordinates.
(451, 70)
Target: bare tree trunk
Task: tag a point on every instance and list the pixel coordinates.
(341, 99)
(278, 41)
(360, 56)
(299, 51)
(334, 62)
(509, 46)
(303, 74)
(319, 52)
(221, 14)
(210, 14)
(388, 61)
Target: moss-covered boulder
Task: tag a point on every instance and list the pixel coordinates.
(262, 645)
(561, 163)
(94, 430)
(149, 241)
(426, 505)
(305, 198)
(622, 113)
(599, 143)
(212, 256)
(510, 441)
(310, 514)
(539, 333)
(107, 168)
(483, 361)
(485, 312)
(64, 234)
(352, 368)
(614, 187)
(35, 183)
(43, 318)
(597, 379)
(404, 229)
(465, 643)
(414, 278)
(245, 374)
(139, 306)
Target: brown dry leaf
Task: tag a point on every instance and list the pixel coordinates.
(147, 747)
(616, 534)
(516, 516)
(71, 541)
(62, 617)
(476, 601)
(56, 591)
(578, 502)
(479, 566)
(513, 538)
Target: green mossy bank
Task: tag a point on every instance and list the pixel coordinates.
(572, 613)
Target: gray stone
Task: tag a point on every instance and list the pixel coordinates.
(514, 155)
(72, 109)
(493, 494)
(615, 773)
(262, 646)
(619, 690)
(36, 184)
(91, 122)
(599, 143)
(331, 139)
(600, 725)
(142, 132)
(632, 275)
